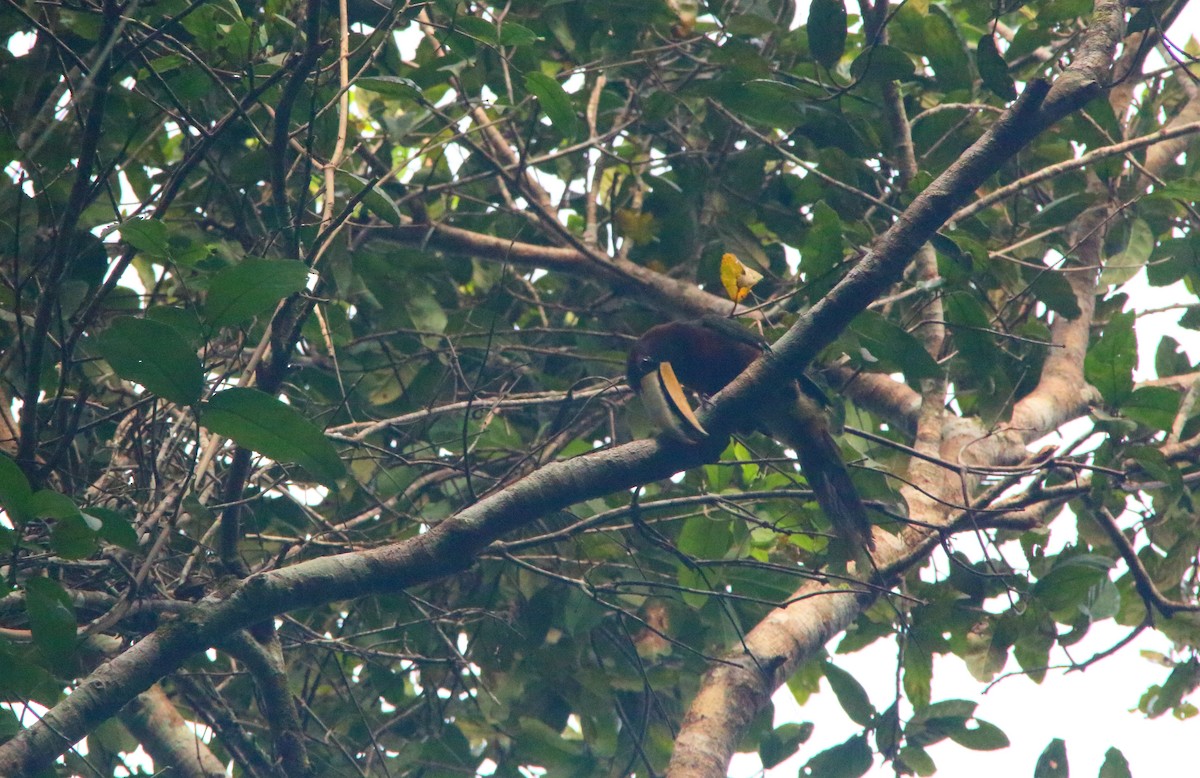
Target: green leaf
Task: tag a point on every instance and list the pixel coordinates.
(1155, 464)
(251, 287)
(847, 760)
(850, 694)
(979, 735)
(893, 348)
(114, 527)
(73, 538)
(918, 674)
(946, 50)
(1182, 681)
(154, 355)
(1066, 586)
(49, 504)
(782, 742)
(148, 236)
(1125, 265)
(1154, 406)
(52, 621)
(391, 86)
(993, 69)
(1110, 361)
(513, 34)
(15, 492)
(1052, 288)
(555, 102)
(1053, 761)
(480, 29)
(262, 423)
(380, 204)
(827, 31)
(73, 535)
(1115, 765)
(705, 538)
(882, 63)
(918, 760)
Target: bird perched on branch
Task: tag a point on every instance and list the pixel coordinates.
(705, 356)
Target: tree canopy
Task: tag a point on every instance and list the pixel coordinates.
(313, 424)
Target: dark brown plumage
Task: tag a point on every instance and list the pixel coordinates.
(705, 357)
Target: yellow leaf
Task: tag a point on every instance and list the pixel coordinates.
(637, 226)
(737, 279)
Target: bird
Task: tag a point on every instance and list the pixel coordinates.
(704, 356)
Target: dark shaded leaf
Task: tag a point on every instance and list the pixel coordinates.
(851, 694)
(1115, 765)
(252, 287)
(15, 492)
(154, 355)
(391, 86)
(979, 735)
(52, 621)
(847, 760)
(882, 63)
(782, 742)
(993, 69)
(555, 102)
(827, 31)
(264, 424)
(1053, 761)
(1110, 361)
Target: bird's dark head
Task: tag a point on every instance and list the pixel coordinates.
(651, 371)
(705, 356)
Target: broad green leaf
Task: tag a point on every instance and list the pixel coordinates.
(73, 535)
(1182, 681)
(847, 760)
(148, 236)
(73, 538)
(1124, 265)
(1110, 361)
(782, 742)
(1053, 761)
(979, 735)
(1066, 586)
(1154, 406)
(851, 694)
(374, 198)
(827, 31)
(262, 423)
(894, 349)
(918, 673)
(251, 287)
(993, 69)
(882, 63)
(114, 527)
(513, 34)
(1053, 289)
(704, 538)
(52, 621)
(15, 492)
(480, 29)
(555, 102)
(154, 355)
(1155, 464)
(49, 504)
(391, 86)
(918, 760)
(1115, 765)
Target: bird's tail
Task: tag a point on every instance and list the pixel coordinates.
(804, 428)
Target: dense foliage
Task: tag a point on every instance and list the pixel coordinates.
(312, 416)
